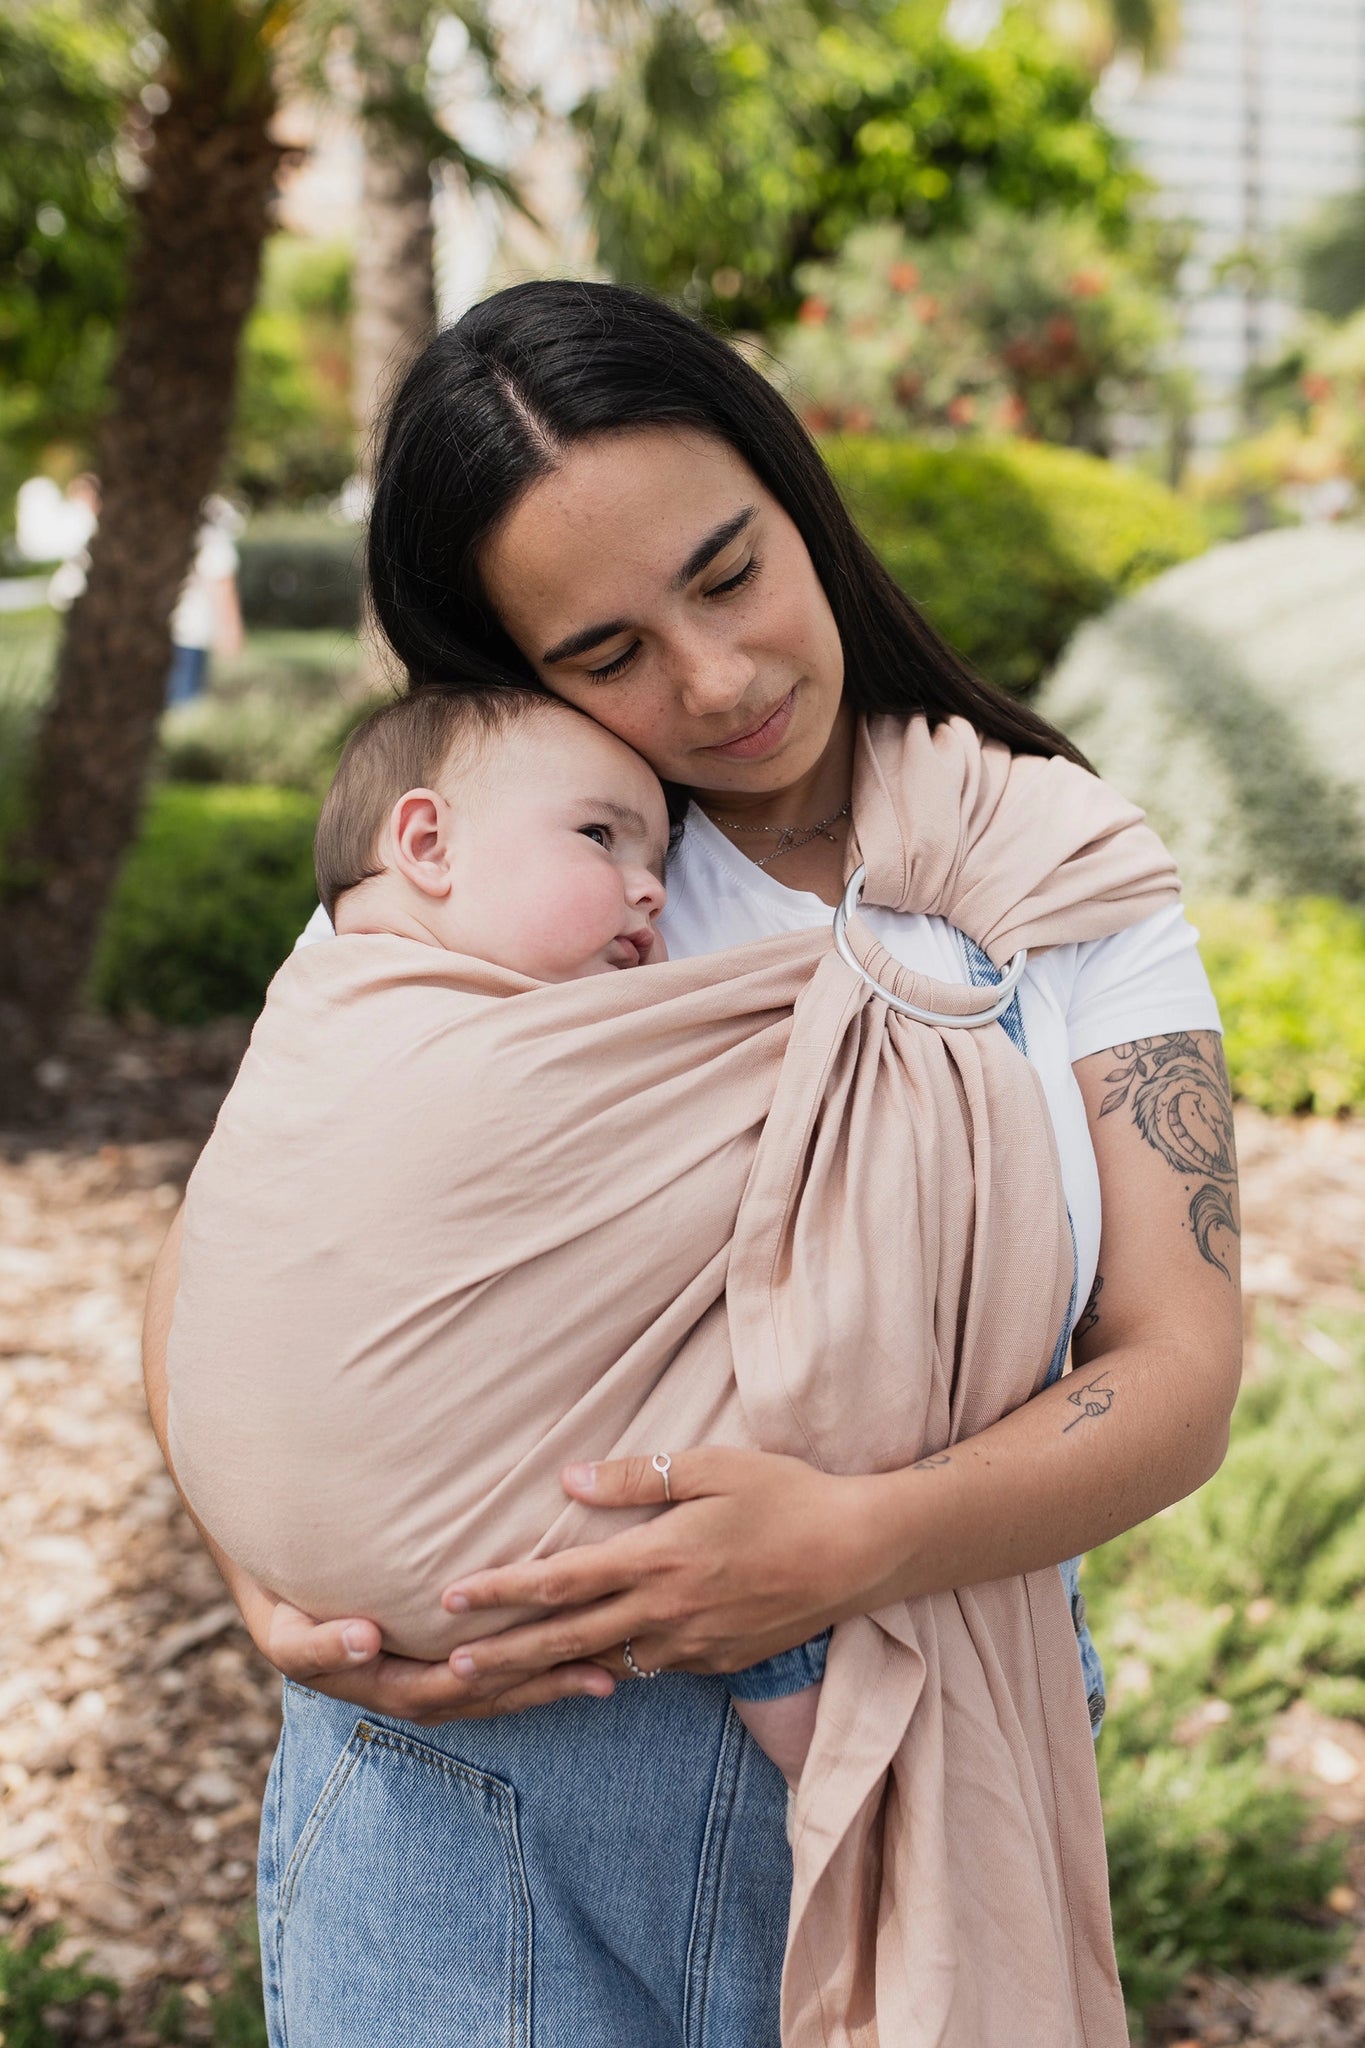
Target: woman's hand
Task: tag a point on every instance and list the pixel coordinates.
(757, 1553)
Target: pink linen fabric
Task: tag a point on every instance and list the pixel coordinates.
(454, 1228)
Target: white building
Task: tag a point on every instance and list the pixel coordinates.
(1257, 118)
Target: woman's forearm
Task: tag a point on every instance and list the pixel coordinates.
(1113, 1443)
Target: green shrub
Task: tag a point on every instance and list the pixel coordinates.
(212, 898)
(1009, 547)
(1290, 981)
(301, 581)
(1228, 699)
(1212, 1618)
(34, 1990)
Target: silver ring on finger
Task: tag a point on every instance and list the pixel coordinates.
(663, 1465)
(636, 1670)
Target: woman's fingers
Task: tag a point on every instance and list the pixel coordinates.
(403, 1689)
(305, 1650)
(639, 1482)
(574, 1578)
(540, 1646)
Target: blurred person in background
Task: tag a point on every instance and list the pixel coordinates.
(208, 615)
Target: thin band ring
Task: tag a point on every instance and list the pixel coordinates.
(1002, 992)
(663, 1465)
(635, 1670)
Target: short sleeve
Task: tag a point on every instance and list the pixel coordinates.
(319, 926)
(1140, 983)
(216, 558)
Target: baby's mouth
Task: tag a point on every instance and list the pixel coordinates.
(634, 946)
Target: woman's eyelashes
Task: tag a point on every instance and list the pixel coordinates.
(726, 589)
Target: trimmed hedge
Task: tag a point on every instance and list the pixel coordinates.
(1009, 547)
(303, 582)
(1290, 981)
(212, 898)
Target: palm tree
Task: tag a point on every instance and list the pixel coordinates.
(200, 217)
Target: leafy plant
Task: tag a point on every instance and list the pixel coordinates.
(734, 146)
(1290, 982)
(213, 896)
(1010, 546)
(34, 1986)
(1011, 326)
(1213, 1618)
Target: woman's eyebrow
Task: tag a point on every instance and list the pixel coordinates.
(701, 556)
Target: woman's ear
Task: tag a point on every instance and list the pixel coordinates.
(419, 829)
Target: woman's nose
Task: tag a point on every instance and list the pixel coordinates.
(711, 677)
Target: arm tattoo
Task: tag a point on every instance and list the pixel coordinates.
(1182, 1106)
(1090, 1314)
(1093, 1399)
(931, 1464)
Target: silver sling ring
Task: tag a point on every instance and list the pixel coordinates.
(1002, 993)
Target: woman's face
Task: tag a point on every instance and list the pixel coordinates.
(653, 582)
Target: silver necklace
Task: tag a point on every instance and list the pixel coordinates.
(790, 838)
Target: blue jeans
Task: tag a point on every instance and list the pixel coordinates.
(592, 1874)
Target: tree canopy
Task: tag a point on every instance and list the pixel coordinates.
(732, 149)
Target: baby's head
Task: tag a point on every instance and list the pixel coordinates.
(499, 824)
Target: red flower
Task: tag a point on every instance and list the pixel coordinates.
(902, 277)
(1062, 333)
(1088, 284)
(813, 312)
(928, 309)
(858, 420)
(1316, 387)
(907, 387)
(962, 409)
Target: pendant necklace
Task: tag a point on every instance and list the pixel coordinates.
(790, 838)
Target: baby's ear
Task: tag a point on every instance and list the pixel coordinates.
(419, 830)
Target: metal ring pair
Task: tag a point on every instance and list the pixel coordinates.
(663, 1465)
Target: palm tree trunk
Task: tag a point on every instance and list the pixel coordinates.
(394, 283)
(201, 218)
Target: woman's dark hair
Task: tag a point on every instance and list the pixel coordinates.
(488, 408)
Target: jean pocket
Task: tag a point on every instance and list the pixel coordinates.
(403, 1913)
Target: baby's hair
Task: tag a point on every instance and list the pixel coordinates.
(404, 745)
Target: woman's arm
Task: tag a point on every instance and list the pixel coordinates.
(765, 1550)
(338, 1657)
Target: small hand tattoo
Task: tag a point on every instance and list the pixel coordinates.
(931, 1464)
(1093, 1399)
(1090, 1314)
(1182, 1105)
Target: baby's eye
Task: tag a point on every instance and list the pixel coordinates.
(599, 834)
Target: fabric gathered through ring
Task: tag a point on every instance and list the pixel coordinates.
(1002, 992)
(637, 1670)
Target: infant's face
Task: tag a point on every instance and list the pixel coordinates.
(558, 838)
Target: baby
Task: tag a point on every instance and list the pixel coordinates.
(512, 830)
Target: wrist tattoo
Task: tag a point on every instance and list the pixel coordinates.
(1177, 1087)
(1094, 1399)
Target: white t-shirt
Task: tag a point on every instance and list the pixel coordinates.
(1073, 1000)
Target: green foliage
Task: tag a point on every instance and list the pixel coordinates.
(732, 150)
(278, 713)
(305, 582)
(1226, 699)
(1214, 1617)
(1008, 547)
(1331, 258)
(1290, 982)
(213, 896)
(1016, 325)
(63, 227)
(294, 437)
(33, 1988)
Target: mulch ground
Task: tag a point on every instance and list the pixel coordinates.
(136, 1720)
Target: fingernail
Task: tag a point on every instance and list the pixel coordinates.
(456, 1603)
(584, 1477)
(463, 1667)
(355, 1641)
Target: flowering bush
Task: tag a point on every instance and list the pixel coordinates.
(1016, 326)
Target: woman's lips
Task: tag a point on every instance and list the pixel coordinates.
(761, 739)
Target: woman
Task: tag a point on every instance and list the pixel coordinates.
(579, 487)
